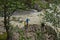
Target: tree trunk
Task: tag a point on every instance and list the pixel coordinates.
(5, 20)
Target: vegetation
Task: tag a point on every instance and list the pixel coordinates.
(52, 15)
(3, 36)
(10, 6)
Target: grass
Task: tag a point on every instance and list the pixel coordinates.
(3, 36)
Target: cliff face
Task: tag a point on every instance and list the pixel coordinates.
(20, 18)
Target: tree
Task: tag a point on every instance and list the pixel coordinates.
(8, 7)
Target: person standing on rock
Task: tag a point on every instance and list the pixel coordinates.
(27, 21)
